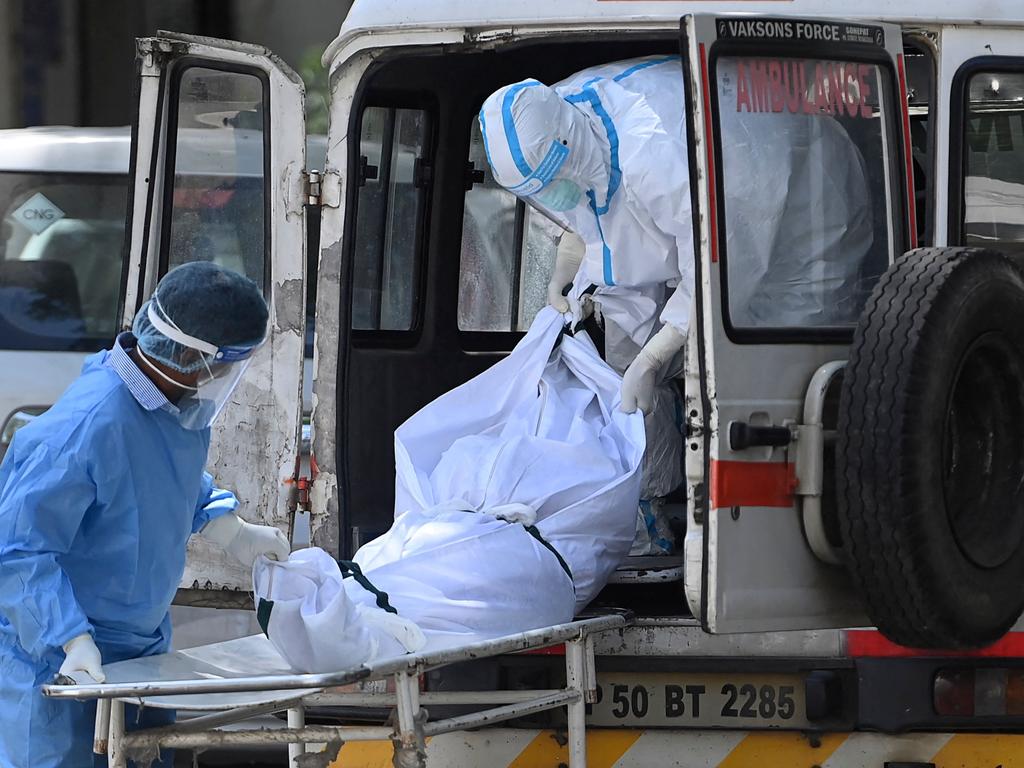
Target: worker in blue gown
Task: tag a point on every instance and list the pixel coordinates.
(99, 496)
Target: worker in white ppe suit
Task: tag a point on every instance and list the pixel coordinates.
(604, 152)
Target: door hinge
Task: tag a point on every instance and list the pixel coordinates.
(153, 53)
(322, 188)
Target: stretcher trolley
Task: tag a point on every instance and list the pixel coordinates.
(233, 681)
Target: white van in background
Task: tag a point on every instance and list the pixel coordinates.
(63, 193)
(63, 198)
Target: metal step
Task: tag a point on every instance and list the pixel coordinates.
(649, 569)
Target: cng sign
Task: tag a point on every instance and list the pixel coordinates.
(37, 213)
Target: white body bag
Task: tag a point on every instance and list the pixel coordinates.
(515, 499)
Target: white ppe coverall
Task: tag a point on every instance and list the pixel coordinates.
(515, 499)
(604, 152)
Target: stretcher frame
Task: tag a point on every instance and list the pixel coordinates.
(297, 691)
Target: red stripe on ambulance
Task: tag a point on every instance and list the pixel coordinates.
(870, 643)
(752, 484)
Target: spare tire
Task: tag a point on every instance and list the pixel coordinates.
(930, 454)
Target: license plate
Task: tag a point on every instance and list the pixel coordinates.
(708, 700)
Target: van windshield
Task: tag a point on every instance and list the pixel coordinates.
(61, 236)
(805, 147)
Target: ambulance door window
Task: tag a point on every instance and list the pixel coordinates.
(809, 195)
(508, 250)
(389, 217)
(218, 205)
(992, 151)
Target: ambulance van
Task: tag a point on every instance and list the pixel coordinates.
(850, 562)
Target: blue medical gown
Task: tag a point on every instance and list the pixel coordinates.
(98, 497)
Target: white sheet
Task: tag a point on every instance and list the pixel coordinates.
(531, 456)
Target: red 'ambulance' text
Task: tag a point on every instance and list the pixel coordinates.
(804, 87)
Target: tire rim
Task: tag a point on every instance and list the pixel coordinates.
(983, 451)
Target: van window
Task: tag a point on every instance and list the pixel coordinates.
(508, 250)
(808, 190)
(61, 236)
(217, 202)
(389, 215)
(993, 157)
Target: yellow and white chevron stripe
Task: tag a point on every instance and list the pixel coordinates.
(620, 748)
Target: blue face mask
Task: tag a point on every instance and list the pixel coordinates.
(559, 195)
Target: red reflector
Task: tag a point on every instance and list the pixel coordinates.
(752, 484)
(1015, 692)
(551, 650)
(953, 692)
(862, 643)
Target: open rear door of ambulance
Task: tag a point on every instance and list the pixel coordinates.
(802, 189)
(217, 174)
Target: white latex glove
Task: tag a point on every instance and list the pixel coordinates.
(245, 541)
(639, 380)
(568, 258)
(82, 655)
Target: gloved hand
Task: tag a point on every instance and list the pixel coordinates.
(245, 541)
(82, 655)
(639, 380)
(568, 258)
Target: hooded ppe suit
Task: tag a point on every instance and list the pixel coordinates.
(797, 200)
(604, 152)
(98, 497)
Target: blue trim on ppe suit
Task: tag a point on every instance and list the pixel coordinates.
(544, 172)
(644, 65)
(98, 497)
(510, 127)
(588, 95)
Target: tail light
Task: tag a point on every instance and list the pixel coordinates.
(979, 692)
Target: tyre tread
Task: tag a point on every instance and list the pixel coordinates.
(882, 545)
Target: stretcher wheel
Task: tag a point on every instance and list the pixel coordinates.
(930, 470)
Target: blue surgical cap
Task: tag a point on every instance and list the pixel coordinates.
(209, 302)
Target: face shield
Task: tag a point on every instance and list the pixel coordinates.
(544, 149)
(219, 369)
(546, 185)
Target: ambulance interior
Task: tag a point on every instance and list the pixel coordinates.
(444, 270)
